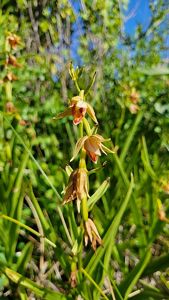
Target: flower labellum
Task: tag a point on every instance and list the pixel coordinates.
(91, 233)
(78, 109)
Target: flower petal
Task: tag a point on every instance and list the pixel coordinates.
(91, 113)
(78, 146)
(106, 150)
(65, 113)
(92, 144)
(93, 156)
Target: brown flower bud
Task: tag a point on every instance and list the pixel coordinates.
(11, 60)
(14, 40)
(10, 77)
(10, 107)
(91, 233)
(77, 186)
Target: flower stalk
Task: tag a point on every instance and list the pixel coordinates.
(90, 144)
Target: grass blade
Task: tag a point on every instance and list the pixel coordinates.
(111, 232)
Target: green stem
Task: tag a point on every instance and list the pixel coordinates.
(94, 283)
(27, 228)
(84, 209)
(77, 86)
(131, 136)
(82, 163)
(87, 127)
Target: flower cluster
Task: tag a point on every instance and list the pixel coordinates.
(11, 63)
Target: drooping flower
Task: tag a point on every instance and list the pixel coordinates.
(93, 145)
(10, 77)
(134, 96)
(10, 108)
(134, 108)
(11, 60)
(134, 99)
(13, 40)
(73, 279)
(78, 109)
(91, 233)
(77, 186)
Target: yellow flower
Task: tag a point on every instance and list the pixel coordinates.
(78, 109)
(91, 233)
(93, 145)
(77, 186)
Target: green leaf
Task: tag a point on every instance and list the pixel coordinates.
(127, 285)
(158, 70)
(24, 258)
(99, 193)
(110, 235)
(44, 293)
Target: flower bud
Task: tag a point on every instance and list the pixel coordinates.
(91, 233)
(77, 186)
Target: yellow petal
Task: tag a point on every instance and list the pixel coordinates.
(91, 113)
(78, 146)
(65, 113)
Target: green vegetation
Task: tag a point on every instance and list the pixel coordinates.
(69, 228)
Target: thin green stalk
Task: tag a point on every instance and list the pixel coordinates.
(18, 183)
(40, 291)
(94, 283)
(77, 86)
(27, 228)
(146, 160)
(46, 226)
(130, 136)
(87, 126)
(48, 181)
(111, 232)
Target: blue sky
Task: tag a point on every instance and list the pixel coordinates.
(138, 12)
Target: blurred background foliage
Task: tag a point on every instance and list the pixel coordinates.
(130, 97)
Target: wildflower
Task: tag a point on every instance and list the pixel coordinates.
(134, 96)
(91, 233)
(134, 108)
(73, 279)
(93, 146)
(11, 60)
(77, 186)
(78, 109)
(10, 77)
(10, 108)
(14, 40)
